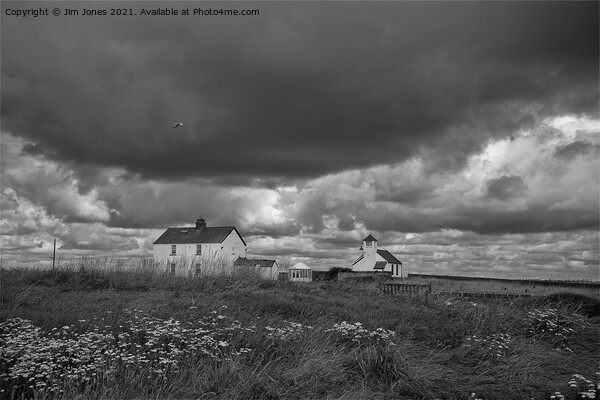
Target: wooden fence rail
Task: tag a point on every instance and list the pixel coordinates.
(486, 295)
(398, 288)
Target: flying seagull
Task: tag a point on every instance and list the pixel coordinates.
(178, 124)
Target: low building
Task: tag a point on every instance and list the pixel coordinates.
(268, 269)
(200, 249)
(375, 260)
(300, 272)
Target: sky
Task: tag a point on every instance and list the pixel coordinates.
(465, 136)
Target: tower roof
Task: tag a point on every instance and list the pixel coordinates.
(370, 238)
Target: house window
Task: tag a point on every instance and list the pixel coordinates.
(233, 250)
(198, 269)
(173, 249)
(198, 249)
(172, 269)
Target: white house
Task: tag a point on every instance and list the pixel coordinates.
(199, 249)
(300, 272)
(374, 260)
(268, 269)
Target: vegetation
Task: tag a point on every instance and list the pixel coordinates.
(514, 287)
(100, 333)
(333, 272)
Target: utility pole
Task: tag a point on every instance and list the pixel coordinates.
(53, 254)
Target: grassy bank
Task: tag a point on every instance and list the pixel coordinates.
(100, 333)
(514, 287)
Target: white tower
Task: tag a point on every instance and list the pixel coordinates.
(370, 249)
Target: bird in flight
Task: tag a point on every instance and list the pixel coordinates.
(178, 124)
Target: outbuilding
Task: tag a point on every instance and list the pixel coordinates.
(300, 272)
(268, 269)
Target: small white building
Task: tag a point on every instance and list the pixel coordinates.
(374, 260)
(268, 269)
(300, 272)
(200, 249)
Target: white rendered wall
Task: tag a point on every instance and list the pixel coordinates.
(216, 257)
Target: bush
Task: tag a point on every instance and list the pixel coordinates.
(333, 272)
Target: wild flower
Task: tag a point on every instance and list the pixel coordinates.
(552, 326)
(358, 335)
(585, 388)
(292, 330)
(33, 362)
(496, 345)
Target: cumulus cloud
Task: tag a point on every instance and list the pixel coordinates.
(577, 148)
(259, 95)
(47, 182)
(436, 126)
(506, 187)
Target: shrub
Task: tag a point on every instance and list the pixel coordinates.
(333, 272)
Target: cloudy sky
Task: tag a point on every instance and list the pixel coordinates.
(464, 136)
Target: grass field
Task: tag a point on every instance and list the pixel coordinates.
(97, 333)
(515, 287)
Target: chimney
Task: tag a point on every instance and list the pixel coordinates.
(200, 223)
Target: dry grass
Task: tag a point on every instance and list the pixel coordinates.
(283, 340)
(515, 288)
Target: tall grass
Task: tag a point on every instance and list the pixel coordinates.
(112, 333)
(515, 287)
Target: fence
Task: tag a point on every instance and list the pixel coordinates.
(485, 295)
(534, 282)
(399, 288)
(360, 276)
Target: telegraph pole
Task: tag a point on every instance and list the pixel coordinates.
(53, 254)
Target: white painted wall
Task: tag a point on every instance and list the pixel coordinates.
(265, 272)
(396, 270)
(216, 257)
(369, 257)
(364, 265)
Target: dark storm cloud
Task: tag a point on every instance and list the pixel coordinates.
(577, 148)
(506, 187)
(486, 221)
(301, 90)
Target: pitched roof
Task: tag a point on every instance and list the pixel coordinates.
(191, 235)
(300, 266)
(370, 238)
(389, 257)
(380, 265)
(248, 262)
(359, 258)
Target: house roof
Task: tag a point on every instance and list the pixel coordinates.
(370, 238)
(191, 235)
(380, 265)
(389, 257)
(359, 258)
(300, 266)
(249, 262)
